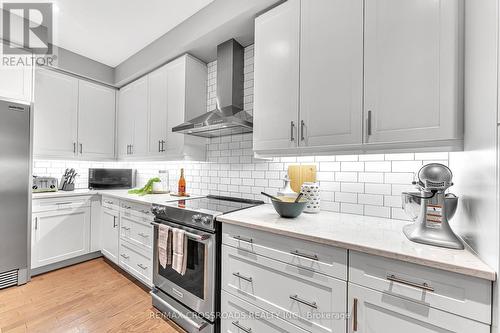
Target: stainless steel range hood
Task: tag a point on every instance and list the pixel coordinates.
(228, 118)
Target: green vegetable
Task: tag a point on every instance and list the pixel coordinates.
(147, 189)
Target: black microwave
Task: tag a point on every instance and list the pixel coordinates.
(109, 179)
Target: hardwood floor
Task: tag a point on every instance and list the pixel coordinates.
(88, 297)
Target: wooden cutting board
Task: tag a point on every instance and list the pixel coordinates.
(300, 174)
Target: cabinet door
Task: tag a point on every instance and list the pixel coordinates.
(96, 121)
(139, 105)
(412, 70)
(16, 81)
(55, 115)
(158, 118)
(331, 72)
(373, 311)
(109, 234)
(276, 100)
(125, 121)
(176, 106)
(59, 235)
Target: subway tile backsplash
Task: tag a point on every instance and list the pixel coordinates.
(359, 184)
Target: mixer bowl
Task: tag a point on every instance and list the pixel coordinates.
(411, 204)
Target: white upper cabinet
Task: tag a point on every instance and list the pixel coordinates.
(157, 82)
(16, 82)
(55, 115)
(125, 121)
(139, 106)
(276, 73)
(186, 99)
(149, 107)
(133, 120)
(413, 51)
(331, 72)
(358, 76)
(96, 121)
(72, 118)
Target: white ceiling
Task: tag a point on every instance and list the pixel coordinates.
(110, 31)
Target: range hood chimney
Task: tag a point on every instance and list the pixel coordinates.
(228, 118)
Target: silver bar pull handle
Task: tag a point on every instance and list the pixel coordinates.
(303, 301)
(188, 234)
(114, 222)
(124, 256)
(125, 228)
(81, 148)
(142, 266)
(424, 286)
(243, 328)
(369, 123)
(355, 315)
(302, 126)
(308, 256)
(74, 147)
(292, 126)
(246, 278)
(243, 239)
(36, 223)
(143, 234)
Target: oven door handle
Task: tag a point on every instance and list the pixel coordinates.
(188, 234)
(190, 321)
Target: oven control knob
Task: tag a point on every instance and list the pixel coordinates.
(196, 218)
(206, 220)
(158, 210)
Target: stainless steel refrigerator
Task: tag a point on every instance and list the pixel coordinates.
(15, 192)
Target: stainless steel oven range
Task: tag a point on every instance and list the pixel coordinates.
(192, 300)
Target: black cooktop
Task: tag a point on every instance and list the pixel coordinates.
(215, 205)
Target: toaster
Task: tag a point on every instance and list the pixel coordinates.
(44, 184)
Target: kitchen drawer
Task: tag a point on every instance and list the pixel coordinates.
(304, 254)
(460, 294)
(137, 231)
(135, 262)
(241, 316)
(111, 203)
(374, 311)
(299, 295)
(135, 209)
(45, 205)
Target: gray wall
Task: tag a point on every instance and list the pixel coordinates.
(198, 35)
(475, 169)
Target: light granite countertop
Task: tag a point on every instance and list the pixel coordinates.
(120, 194)
(378, 236)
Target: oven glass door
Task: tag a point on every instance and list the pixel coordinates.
(195, 288)
(194, 279)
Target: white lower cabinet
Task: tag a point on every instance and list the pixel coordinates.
(245, 317)
(127, 237)
(298, 295)
(59, 234)
(136, 262)
(274, 283)
(109, 234)
(374, 311)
